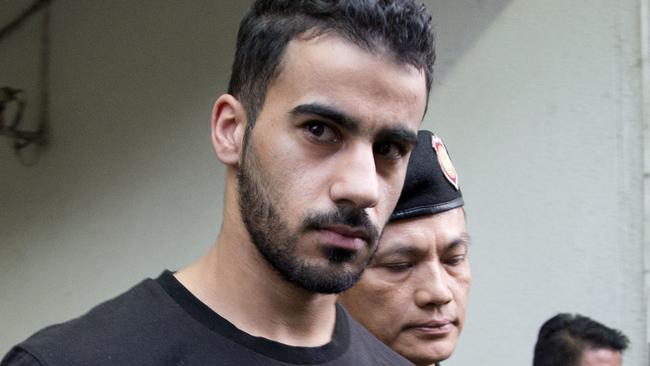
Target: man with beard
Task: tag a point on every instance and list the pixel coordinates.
(322, 111)
(414, 292)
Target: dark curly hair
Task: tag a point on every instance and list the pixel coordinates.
(564, 337)
(402, 27)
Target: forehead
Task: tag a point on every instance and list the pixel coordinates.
(601, 357)
(330, 70)
(424, 232)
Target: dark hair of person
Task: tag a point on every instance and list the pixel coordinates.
(400, 27)
(564, 337)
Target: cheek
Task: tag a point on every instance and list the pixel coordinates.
(293, 182)
(461, 295)
(389, 196)
(380, 308)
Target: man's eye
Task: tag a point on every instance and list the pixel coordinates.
(398, 267)
(389, 150)
(455, 260)
(321, 132)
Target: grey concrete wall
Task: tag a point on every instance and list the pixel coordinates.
(645, 100)
(539, 102)
(130, 185)
(542, 113)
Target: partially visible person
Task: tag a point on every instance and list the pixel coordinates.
(413, 294)
(576, 340)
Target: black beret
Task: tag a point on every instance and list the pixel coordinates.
(431, 184)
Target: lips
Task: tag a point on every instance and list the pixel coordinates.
(434, 327)
(343, 237)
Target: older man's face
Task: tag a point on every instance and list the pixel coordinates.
(413, 295)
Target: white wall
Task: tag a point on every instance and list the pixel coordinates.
(542, 113)
(538, 101)
(130, 185)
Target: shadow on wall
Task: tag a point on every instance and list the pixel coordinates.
(132, 86)
(466, 20)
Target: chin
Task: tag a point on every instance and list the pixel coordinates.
(426, 361)
(430, 354)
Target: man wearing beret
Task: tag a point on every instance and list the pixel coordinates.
(413, 294)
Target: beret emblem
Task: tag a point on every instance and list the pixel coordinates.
(446, 165)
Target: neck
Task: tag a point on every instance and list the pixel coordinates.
(234, 280)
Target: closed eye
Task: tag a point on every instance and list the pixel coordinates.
(398, 267)
(456, 252)
(455, 260)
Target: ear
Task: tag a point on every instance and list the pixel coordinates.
(228, 125)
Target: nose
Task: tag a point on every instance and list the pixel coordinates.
(356, 180)
(434, 288)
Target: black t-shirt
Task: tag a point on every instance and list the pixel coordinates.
(159, 322)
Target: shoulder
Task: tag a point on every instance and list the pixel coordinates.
(106, 330)
(371, 350)
(19, 357)
(125, 310)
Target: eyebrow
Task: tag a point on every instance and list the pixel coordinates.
(406, 250)
(330, 113)
(349, 123)
(413, 250)
(401, 135)
(462, 239)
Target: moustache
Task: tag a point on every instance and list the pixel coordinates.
(355, 218)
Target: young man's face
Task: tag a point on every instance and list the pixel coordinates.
(413, 294)
(325, 161)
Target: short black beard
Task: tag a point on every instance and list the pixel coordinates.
(277, 243)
